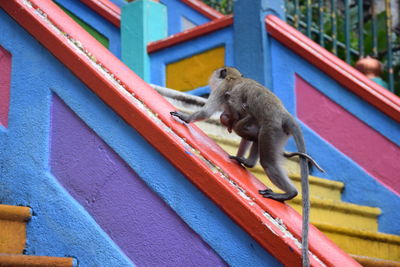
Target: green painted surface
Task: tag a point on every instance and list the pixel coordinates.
(99, 37)
(142, 21)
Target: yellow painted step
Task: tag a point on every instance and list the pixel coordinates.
(363, 243)
(32, 261)
(13, 228)
(374, 262)
(340, 213)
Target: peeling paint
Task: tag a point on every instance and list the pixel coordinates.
(77, 46)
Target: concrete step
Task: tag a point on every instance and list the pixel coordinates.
(340, 213)
(374, 262)
(32, 261)
(363, 243)
(13, 228)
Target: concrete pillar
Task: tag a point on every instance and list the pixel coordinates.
(142, 22)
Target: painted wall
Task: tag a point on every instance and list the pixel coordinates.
(360, 184)
(66, 219)
(142, 225)
(59, 225)
(193, 72)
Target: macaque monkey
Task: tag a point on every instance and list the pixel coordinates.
(246, 100)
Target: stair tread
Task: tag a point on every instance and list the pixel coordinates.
(370, 261)
(364, 234)
(29, 260)
(14, 213)
(340, 206)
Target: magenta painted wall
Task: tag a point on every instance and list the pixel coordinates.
(5, 76)
(371, 150)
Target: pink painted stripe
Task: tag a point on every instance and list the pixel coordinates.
(5, 77)
(371, 150)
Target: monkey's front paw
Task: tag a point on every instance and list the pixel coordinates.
(242, 161)
(178, 115)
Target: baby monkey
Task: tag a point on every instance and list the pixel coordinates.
(257, 115)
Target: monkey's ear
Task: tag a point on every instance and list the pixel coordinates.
(222, 74)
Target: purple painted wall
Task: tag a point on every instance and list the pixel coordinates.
(5, 76)
(370, 149)
(139, 222)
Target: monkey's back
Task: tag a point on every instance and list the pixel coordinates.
(260, 102)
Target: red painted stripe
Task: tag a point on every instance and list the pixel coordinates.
(5, 78)
(247, 214)
(359, 141)
(340, 71)
(190, 34)
(203, 9)
(106, 9)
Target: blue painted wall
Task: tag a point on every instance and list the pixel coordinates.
(60, 226)
(359, 185)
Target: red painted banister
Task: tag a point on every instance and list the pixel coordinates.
(204, 9)
(190, 34)
(106, 9)
(337, 69)
(274, 225)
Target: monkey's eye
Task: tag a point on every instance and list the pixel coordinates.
(222, 74)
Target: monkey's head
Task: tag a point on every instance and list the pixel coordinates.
(223, 74)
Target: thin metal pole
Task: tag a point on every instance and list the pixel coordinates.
(334, 26)
(374, 30)
(347, 29)
(296, 14)
(321, 23)
(389, 45)
(361, 28)
(309, 18)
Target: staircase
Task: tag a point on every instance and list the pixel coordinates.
(352, 227)
(13, 221)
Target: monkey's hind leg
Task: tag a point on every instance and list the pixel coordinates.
(271, 143)
(251, 161)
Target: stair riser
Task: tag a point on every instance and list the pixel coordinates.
(12, 236)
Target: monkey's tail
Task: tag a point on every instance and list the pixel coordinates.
(299, 139)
